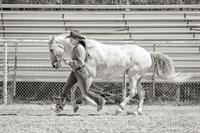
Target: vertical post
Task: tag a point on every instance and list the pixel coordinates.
(2, 22)
(185, 16)
(124, 76)
(61, 5)
(5, 75)
(124, 87)
(127, 3)
(153, 77)
(178, 91)
(64, 23)
(15, 71)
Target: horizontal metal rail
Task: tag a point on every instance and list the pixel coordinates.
(103, 32)
(100, 19)
(103, 7)
(105, 26)
(99, 12)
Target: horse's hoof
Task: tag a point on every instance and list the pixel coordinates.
(56, 110)
(75, 108)
(137, 113)
(121, 107)
(100, 107)
(118, 112)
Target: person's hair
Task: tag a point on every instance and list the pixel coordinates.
(82, 43)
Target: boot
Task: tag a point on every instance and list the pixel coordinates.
(75, 108)
(100, 106)
(60, 103)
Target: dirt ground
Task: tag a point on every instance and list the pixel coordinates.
(155, 119)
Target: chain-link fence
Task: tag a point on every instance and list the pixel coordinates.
(1, 73)
(104, 2)
(31, 79)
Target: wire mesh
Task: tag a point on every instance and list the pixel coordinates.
(1, 75)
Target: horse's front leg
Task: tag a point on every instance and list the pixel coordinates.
(73, 98)
(133, 90)
(141, 94)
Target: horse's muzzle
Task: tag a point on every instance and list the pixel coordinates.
(56, 65)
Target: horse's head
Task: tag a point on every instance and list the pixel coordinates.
(57, 46)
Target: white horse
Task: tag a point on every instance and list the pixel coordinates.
(106, 60)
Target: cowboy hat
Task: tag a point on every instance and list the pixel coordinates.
(76, 35)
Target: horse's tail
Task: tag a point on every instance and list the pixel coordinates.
(163, 67)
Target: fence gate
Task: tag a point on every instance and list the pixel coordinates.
(8, 67)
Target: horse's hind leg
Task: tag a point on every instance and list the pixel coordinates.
(141, 94)
(133, 90)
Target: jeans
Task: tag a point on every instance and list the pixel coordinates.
(74, 77)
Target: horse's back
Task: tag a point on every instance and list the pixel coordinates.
(109, 59)
(139, 56)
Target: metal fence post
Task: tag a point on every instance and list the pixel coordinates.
(178, 94)
(5, 75)
(153, 77)
(15, 70)
(124, 87)
(61, 5)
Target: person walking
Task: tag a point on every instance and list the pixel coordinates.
(79, 74)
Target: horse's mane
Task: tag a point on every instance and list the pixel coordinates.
(90, 43)
(83, 44)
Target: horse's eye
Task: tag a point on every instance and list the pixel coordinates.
(51, 50)
(60, 46)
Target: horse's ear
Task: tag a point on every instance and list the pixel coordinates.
(51, 38)
(66, 33)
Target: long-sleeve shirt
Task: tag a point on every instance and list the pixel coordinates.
(78, 56)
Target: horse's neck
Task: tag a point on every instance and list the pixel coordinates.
(67, 46)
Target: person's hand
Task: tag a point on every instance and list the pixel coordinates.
(71, 63)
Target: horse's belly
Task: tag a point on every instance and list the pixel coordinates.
(109, 72)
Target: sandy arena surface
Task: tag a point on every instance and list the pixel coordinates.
(155, 119)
